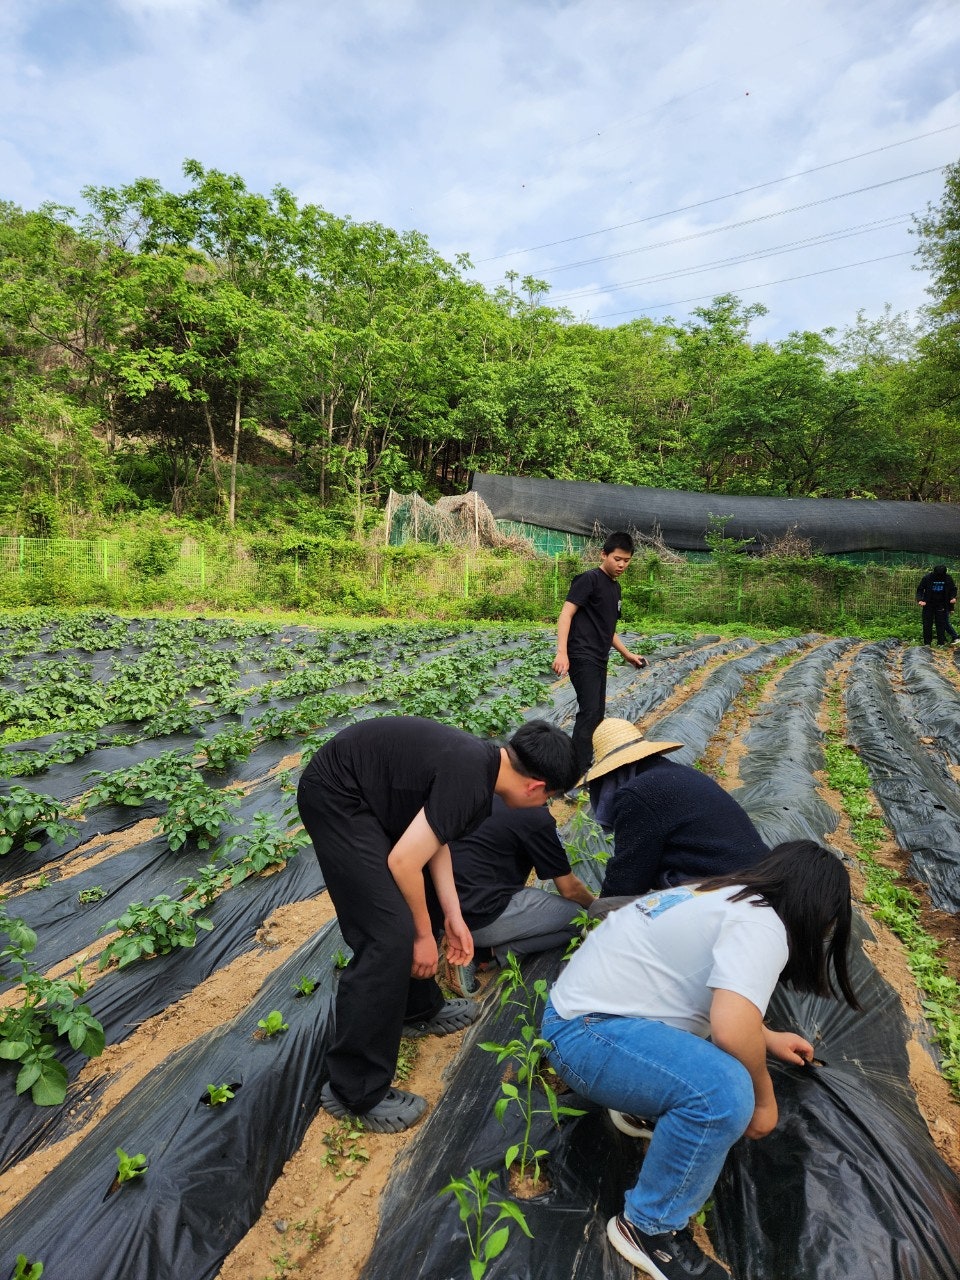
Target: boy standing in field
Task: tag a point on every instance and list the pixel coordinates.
(586, 629)
(381, 801)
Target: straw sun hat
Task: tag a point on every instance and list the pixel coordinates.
(618, 742)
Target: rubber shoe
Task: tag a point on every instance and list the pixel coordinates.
(462, 979)
(399, 1110)
(670, 1256)
(454, 1016)
(632, 1126)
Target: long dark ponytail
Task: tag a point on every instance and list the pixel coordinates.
(809, 889)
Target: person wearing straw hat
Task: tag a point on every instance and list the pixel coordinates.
(671, 823)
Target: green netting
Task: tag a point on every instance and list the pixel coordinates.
(419, 581)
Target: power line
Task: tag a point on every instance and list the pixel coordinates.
(759, 186)
(734, 226)
(679, 302)
(827, 237)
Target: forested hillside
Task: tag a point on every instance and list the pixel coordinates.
(246, 359)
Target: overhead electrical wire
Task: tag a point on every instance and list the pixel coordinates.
(767, 284)
(734, 226)
(827, 237)
(699, 204)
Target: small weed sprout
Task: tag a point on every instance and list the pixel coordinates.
(273, 1024)
(130, 1167)
(218, 1094)
(341, 1143)
(486, 1242)
(528, 1051)
(406, 1059)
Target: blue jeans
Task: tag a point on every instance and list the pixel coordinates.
(701, 1097)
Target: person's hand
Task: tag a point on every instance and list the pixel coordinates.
(425, 957)
(789, 1047)
(636, 660)
(561, 664)
(459, 940)
(763, 1120)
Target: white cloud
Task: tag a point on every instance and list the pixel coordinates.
(515, 123)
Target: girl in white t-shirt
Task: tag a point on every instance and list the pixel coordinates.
(630, 1016)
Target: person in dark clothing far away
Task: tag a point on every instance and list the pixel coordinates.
(491, 867)
(586, 629)
(381, 801)
(671, 823)
(936, 596)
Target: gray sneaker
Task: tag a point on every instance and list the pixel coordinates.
(399, 1110)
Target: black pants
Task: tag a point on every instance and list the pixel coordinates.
(930, 614)
(589, 679)
(376, 994)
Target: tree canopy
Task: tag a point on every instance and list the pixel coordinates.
(164, 348)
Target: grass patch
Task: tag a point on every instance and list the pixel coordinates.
(891, 902)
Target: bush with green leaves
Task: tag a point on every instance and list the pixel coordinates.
(232, 743)
(196, 812)
(48, 1008)
(268, 845)
(25, 814)
(156, 779)
(151, 930)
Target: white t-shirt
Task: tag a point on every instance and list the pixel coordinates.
(663, 956)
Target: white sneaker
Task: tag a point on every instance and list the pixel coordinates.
(632, 1126)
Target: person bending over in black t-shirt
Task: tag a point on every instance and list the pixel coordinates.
(381, 801)
(586, 629)
(491, 867)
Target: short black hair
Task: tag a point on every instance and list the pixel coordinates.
(540, 750)
(809, 889)
(618, 542)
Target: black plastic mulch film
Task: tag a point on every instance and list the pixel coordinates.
(848, 1186)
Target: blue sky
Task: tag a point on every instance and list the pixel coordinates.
(636, 155)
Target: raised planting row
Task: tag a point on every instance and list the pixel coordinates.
(173, 1218)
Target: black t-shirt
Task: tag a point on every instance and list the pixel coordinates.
(394, 766)
(492, 863)
(597, 597)
(937, 591)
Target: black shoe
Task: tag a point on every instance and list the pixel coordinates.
(670, 1256)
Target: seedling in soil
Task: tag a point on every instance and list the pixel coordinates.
(130, 1167)
(473, 1197)
(42, 881)
(218, 1094)
(271, 1025)
(341, 1143)
(305, 986)
(340, 960)
(151, 930)
(528, 1051)
(96, 893)
(25, 1270)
